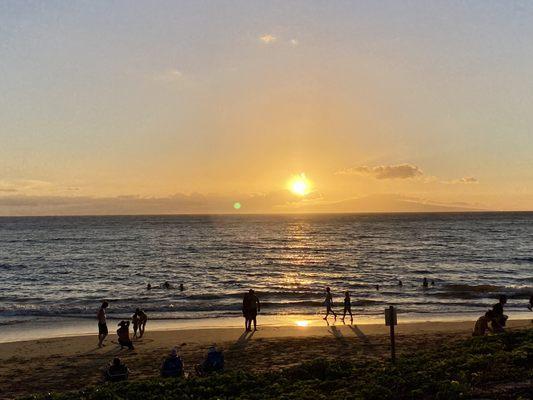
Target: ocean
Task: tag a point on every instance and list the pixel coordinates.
(63, 267)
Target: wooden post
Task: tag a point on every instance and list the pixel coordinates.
(391, 320)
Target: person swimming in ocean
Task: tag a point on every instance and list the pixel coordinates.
(149, 287)
(400, 283)
(182, 288)
(347, 306)
(377, 287)
(425, 282)
(167, 285)
(328, 302)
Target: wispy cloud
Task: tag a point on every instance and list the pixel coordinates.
(170, 75)
(268, 38)
(467, 180)
(400, 171)
(294, 42)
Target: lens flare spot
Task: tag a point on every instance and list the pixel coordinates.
(237, 205)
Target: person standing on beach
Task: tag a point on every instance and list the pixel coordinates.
(250, 308)
(329, 304)
(347, 306)
(102, 324)
(143, 318)
(135, 323)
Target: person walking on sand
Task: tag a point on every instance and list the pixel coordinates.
(328, 302)
(250, 307)
(347, 306)
(102, 323)
(143, 318)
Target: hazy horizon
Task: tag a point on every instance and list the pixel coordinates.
(265, 107)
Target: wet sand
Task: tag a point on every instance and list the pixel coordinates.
(59, 364)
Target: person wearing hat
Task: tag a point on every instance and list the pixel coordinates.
(172, 367)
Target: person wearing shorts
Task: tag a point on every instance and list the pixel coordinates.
(102, 324)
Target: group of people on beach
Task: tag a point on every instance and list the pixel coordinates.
(171, 367)
(138, 321)
(495, 317)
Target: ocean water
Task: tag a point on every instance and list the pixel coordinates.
(63, 267)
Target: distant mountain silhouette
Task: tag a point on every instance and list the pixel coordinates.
(384, 203)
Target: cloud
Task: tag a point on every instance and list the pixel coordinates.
(268, 38)
(170, 75)
(467, 180)
(294, 42)
(400, 171)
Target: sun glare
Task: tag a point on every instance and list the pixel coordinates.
(302, 323)
(300, 185)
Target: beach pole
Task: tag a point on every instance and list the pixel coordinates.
(391, 320)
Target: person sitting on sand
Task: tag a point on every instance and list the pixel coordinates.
(482, 324)
(116, 371)
(102, 323)
(250, 308)
(328, 302)
(143, 318)
(135, 323)
(172, 367)
(499, 316)
(347, 306)
(425, 282)
(214, 362)
(123, 333)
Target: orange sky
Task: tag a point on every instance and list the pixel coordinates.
(188, 107)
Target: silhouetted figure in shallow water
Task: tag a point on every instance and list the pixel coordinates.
(250, 308)
(499, 316)
(182, 288)
(425, 282)
(347, 306)
(530, 305)
(400, 283)
(167, 285)
(135, 323)
(328, 302)
(432, 282)
(148, 287)
(377, 287)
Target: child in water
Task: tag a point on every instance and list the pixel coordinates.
(347, 306)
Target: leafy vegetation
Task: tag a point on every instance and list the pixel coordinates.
(490, 367)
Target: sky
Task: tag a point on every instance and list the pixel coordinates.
(192, 106)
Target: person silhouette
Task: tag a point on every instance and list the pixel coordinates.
(328, 302)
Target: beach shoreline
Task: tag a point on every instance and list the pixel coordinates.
(59, 327)
(74, 362)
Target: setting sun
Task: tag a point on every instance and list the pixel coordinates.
(300, 185)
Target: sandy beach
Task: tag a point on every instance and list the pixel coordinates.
(59, 364)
